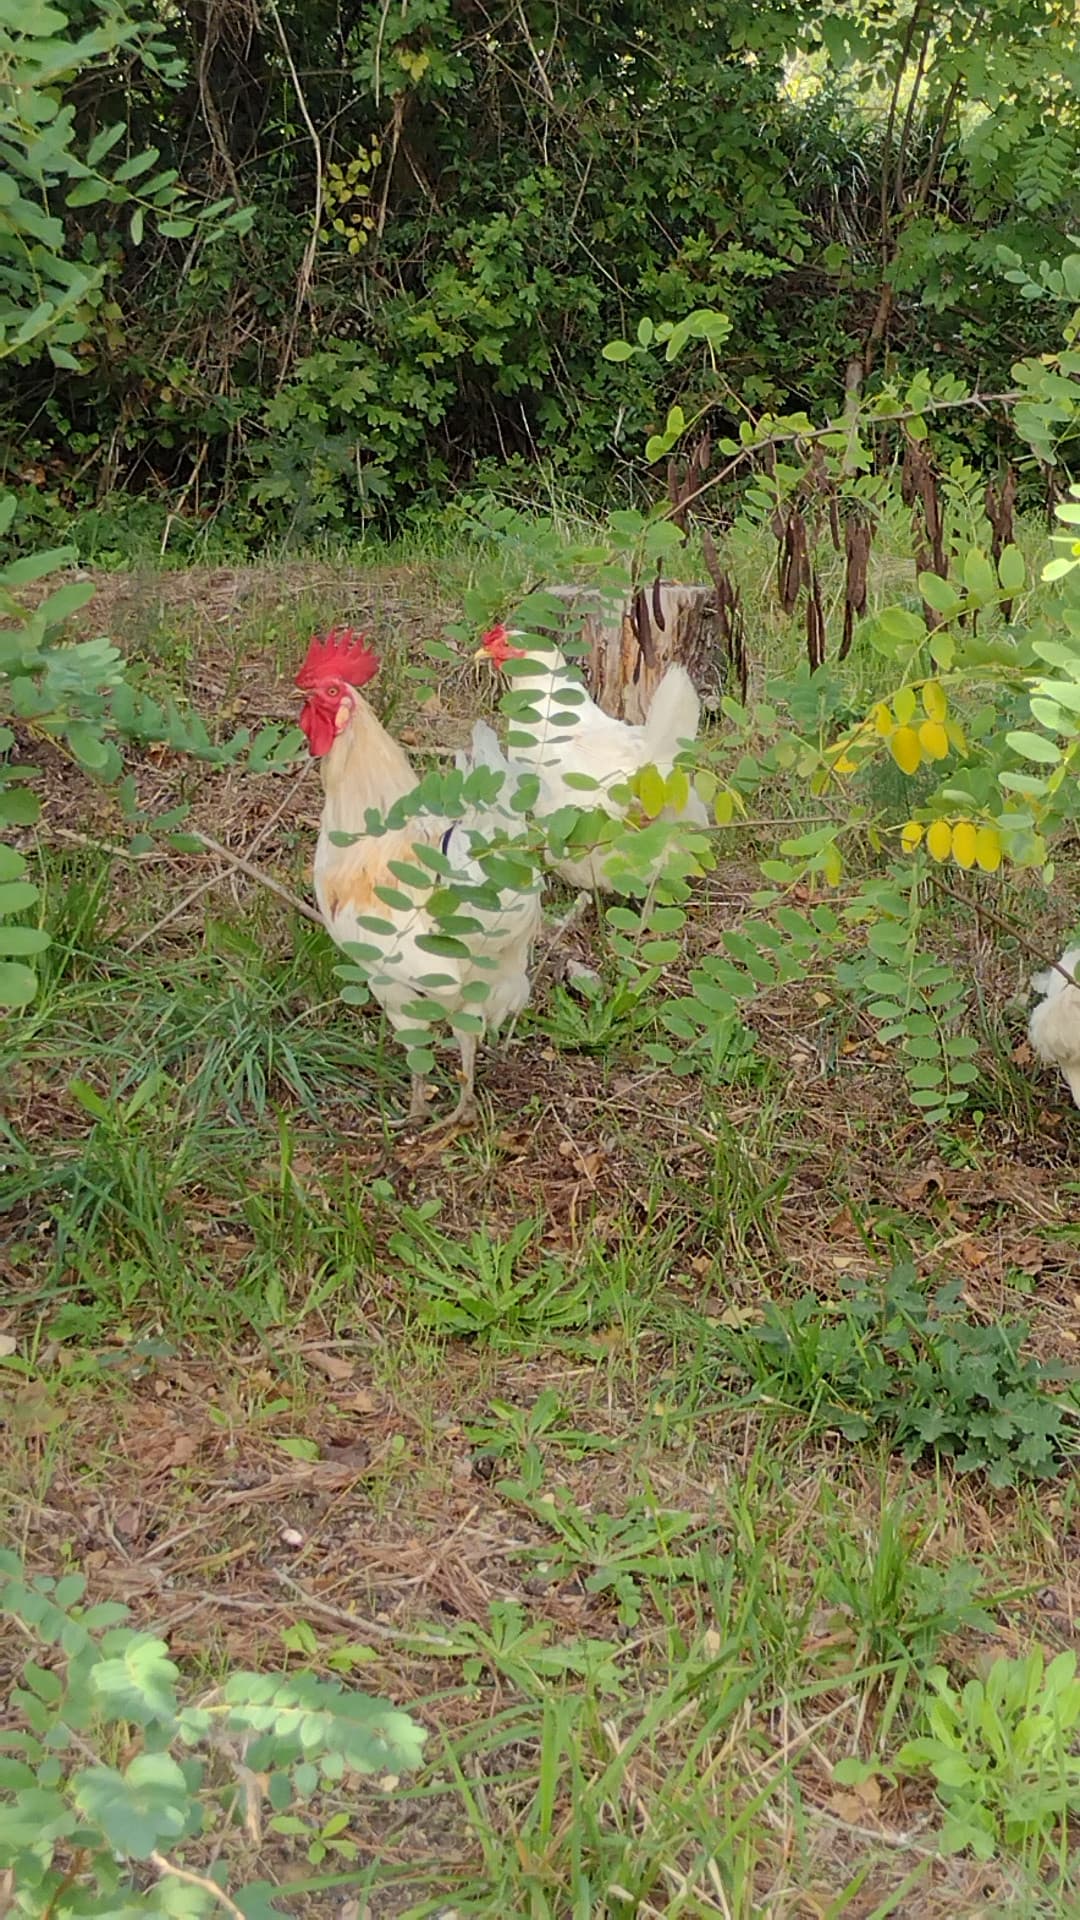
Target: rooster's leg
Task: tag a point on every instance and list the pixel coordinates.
(466, 1106)
(418, 1097)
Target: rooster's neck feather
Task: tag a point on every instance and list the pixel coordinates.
(364, 769)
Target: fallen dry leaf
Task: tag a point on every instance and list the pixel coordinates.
(360, 1402)
(736, 1316)
(332, 1365)
(972, 1254)
(854, 1803)
(8, 1344)
(917, 1190)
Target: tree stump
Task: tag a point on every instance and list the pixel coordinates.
(621, 675)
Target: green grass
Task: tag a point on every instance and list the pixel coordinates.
(492, 1422)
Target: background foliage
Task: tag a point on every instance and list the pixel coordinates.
(453, 202)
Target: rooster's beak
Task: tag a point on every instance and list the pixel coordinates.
(481, 654)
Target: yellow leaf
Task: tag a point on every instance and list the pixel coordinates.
(677, 789)
(911, 836)
(933, 740)
(883, 720)
(832, 866)
(905, 706)
(905, 749)
(988, 849)
(934, 701)
(963, 843)
(939, 840)
(957, 739)
(845, 764)
(723, 808)
(650, 789)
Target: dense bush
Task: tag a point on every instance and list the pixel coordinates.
(452, 208)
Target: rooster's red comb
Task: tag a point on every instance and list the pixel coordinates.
(341, 654)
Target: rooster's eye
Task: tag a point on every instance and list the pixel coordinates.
(333, 690)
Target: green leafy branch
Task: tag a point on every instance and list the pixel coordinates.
(76, 1829)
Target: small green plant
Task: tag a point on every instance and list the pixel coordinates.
(918, 1369)
(520, 1650)
(483, 1287)
(899, 1606)
(107, 1775)
(520, 1430)
(594, 1019)
(1003, 1753)
(625, 1551)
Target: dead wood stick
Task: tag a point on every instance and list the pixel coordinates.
(222, 873)
(253, 872)
(169, 1870)
(1010, 927)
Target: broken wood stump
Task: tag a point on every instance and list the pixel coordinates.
(632, 643)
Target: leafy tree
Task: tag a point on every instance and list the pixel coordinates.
(452, 207)
(74, 694)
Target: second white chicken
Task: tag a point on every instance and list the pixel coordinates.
(563, 732)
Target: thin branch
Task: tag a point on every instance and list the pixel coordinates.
(110, 847)
(806, 434)
(211, 114)
(388, 170)
(253, 872)
(341, 1617)
(983, 912)
(890, 124)
(545, 83)
(169, 1869)
(215, 879)
(913, 98)
(308, 262)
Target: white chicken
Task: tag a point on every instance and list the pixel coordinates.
(364, 770)
(1054, 1026)
(562, 731)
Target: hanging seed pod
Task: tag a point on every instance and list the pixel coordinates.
(834, 520)
(933, 517)
(815, 624)
(794, 560)
(919, 490)
(639, 616)
(684, 477)
(1053, 492)
(858, 537)
(1000, 502)
(675, 478)
(729, 616)
(658, 603)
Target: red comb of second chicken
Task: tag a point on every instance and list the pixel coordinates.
(341, 654)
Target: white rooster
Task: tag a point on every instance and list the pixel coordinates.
(363, 769)
(563, 732)
(1054, 1026)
